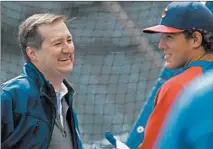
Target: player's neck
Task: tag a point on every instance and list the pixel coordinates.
(205, 56)
(200, 55)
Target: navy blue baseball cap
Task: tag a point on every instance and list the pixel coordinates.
(180, 16)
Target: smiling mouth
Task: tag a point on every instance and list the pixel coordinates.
(167, 55)
(66, 59)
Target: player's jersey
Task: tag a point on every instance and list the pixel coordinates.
(189, 124)
(166, 97)
(136, 135)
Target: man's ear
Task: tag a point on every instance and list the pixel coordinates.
(31, 53)
(197, 39)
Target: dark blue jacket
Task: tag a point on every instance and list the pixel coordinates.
(28, 111)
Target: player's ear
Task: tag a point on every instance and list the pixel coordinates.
(197, 39)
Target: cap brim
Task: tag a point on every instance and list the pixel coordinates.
(162, 29)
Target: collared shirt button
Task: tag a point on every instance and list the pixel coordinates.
(140, 129)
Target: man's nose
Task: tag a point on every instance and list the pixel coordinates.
(162, 44)
(68, 48)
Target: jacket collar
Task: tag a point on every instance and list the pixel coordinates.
(69, 86)
(31, 71)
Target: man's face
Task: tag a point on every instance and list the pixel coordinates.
(177, 49)
(55, 58)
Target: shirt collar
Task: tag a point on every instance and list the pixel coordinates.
(62, 91)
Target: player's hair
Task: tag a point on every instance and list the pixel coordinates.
(207, 38)
(29, 35)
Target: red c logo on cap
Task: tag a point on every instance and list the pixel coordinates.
(164, 12)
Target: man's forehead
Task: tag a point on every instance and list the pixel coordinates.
(55, 26)
(54, 32)
(54, 38)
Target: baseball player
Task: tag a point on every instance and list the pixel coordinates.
(186, 39)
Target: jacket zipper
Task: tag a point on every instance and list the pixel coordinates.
(72, 127)
(74, 135)
(53, 119)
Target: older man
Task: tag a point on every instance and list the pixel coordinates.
(36, 106)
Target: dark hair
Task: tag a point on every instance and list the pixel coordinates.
(28, 33)
(207, 38)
